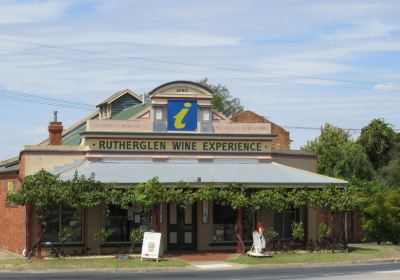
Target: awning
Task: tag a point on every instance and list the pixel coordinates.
(252, 173)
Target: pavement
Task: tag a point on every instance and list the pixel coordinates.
(338, 272)
(4, 255)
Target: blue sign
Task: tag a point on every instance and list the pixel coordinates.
(182, 115)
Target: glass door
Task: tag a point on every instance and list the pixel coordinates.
(182, 227)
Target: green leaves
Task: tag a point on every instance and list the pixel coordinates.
(43, 190)
(297, 231)
(381, 221)
(378, 138)
(223, 101)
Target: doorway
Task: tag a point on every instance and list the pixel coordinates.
(182, 227)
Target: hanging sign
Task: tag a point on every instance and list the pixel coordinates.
(151, 246)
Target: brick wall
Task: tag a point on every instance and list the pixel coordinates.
(12, 222)
(281, 142)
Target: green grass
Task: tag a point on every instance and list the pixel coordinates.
(75, 263)
(359, 252)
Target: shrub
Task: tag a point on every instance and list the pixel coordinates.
(297, 231)
(323, 232)
(101, 235)
(135, 237)
(270, 234)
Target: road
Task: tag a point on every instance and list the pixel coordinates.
(356, 272)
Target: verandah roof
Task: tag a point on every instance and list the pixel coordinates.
(248, 173)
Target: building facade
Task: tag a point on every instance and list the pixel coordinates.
(173, 134)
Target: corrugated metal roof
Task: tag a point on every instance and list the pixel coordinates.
(132, 172)
(132, 111)
(119, 94)
(9, 168)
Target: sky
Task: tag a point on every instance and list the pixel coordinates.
(298, 63)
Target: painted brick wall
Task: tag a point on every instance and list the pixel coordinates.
(281, 142)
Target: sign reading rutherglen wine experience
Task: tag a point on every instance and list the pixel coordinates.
(172, 145)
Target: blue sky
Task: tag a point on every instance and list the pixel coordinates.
(285, 60)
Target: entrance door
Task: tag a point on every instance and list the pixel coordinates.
(182, 227)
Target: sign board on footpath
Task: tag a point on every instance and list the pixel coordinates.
(151, 247)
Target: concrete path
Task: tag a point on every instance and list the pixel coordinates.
(4, 255)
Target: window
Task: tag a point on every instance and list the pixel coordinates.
(123, 221)
(224, 222)
(158, 114)
(11, 186)
(61, 216)
(283, 223)
(205, 115)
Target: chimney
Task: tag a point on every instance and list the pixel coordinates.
(55, 131)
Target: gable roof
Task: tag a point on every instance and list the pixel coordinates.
(118, 95)
(132, 111)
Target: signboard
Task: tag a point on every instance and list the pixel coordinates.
(182, 115)
(242, 128)
(151, 247)
(171, 145)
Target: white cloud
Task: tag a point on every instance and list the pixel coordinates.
(388, 87)
(364, 30)
(344, 9)
(31, 12)
(156, 38)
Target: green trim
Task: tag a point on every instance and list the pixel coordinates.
(132, 111)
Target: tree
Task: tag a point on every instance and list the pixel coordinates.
(378, 139)
(338, 155)
(101, 235)
(41, 191)
(44, 190)
(381, 221)
(354, 162)
(223, 101)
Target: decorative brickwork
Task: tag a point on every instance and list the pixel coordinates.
(281, 142)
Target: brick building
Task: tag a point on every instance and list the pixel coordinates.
(176, 135)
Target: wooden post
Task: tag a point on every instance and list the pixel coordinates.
(39, 237)
(157, 219)
(239, 230)
(306, 226)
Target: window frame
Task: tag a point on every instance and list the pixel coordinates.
(68, 243)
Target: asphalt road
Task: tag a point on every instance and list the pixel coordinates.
(356, 272)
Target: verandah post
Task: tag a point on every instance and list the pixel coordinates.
(157, 219)
(239, 231)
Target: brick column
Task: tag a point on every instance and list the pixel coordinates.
(55, 133)
(239, 230)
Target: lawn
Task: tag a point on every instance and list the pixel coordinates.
(76, 263)
(359, 252)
